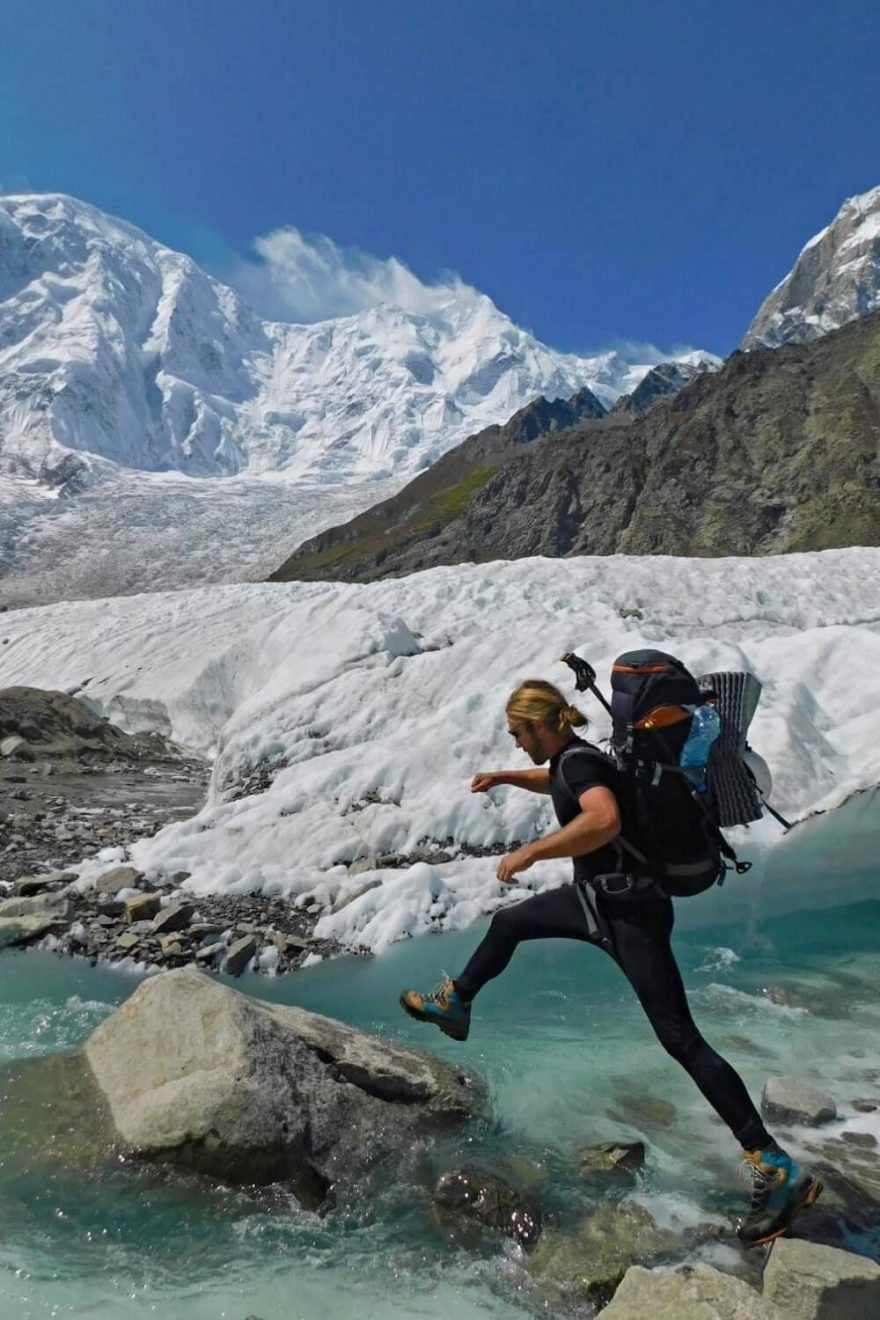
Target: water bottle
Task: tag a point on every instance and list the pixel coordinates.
(705, 728)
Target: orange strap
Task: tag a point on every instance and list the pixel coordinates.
(662, 717)
(640, 669)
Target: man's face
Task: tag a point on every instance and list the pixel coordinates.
(529, 736)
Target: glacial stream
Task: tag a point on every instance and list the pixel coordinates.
(783, 968)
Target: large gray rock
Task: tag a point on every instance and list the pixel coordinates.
(29, 885)
(197, 1074)
(691, 1292)
(118, 877)
(789, 1100)
(21, 930)
(39, 905)
(812, 1282)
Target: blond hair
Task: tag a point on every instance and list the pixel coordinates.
(538, 702)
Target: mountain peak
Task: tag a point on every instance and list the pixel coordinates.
(835, 279)
(119, 353)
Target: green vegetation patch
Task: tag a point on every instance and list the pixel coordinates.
(455, 501)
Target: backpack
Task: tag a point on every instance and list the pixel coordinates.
(678, 811)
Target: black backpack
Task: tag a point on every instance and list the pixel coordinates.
(676, 826)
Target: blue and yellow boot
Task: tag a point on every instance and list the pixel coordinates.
(780, 1190)
(442, 1007)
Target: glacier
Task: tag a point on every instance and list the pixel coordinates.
(346, 720)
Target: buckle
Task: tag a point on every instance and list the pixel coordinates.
(616, 882)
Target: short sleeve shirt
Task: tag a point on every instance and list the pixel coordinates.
(584, 767)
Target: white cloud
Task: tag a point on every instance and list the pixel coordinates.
(307, 277)
(648, 354)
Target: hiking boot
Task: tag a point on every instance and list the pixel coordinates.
(780, 1190)
(442, 1007)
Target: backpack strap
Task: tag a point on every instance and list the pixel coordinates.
(619, 843)
(712, 827)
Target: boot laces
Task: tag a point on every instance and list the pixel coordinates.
(761, 1176)
(440, 994)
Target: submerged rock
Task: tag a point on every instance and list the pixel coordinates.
(483, 1196)
(612, 1158)
(199, 1075)
(638, 1109)
(587, 1264)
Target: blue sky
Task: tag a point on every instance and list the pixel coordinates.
(643, 171)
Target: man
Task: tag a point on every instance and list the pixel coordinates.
(626, 913)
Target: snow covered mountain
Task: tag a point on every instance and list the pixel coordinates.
(117, 352)
(835, 279)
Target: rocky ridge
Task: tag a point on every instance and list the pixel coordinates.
(777, 452)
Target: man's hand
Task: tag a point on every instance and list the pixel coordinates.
(513, 863)
(484, 780)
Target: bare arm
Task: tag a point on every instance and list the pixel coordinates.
(597, 824)
(536, 781)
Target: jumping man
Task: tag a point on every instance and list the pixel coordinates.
(630, 916)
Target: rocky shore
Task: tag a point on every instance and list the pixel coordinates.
(74, 787)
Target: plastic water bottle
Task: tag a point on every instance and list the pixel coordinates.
(705, 728)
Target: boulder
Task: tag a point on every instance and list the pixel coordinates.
(789, 1100)
(811, 1282)
(172, 918)
(354, 895)
(142, 908)
(29, 885)
(209, 953)
(196, 1074)
(479, 1195)
(21, 930)
(118, 877)
(239, 955)
(39, 905)
(362, 865)
(290, 943)
(691, 1292)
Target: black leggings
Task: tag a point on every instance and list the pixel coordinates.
(640, 929)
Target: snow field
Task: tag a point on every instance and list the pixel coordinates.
(347, 720)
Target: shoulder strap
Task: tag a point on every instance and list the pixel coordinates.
(597, 755)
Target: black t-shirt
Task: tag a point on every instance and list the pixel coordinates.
(585, 766)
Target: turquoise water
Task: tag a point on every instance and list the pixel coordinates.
(569, 1060)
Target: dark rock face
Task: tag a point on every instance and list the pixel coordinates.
(777, 452)
(663, 380)
(36, 723)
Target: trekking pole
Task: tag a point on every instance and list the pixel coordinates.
(584, 676)
(789, 825)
